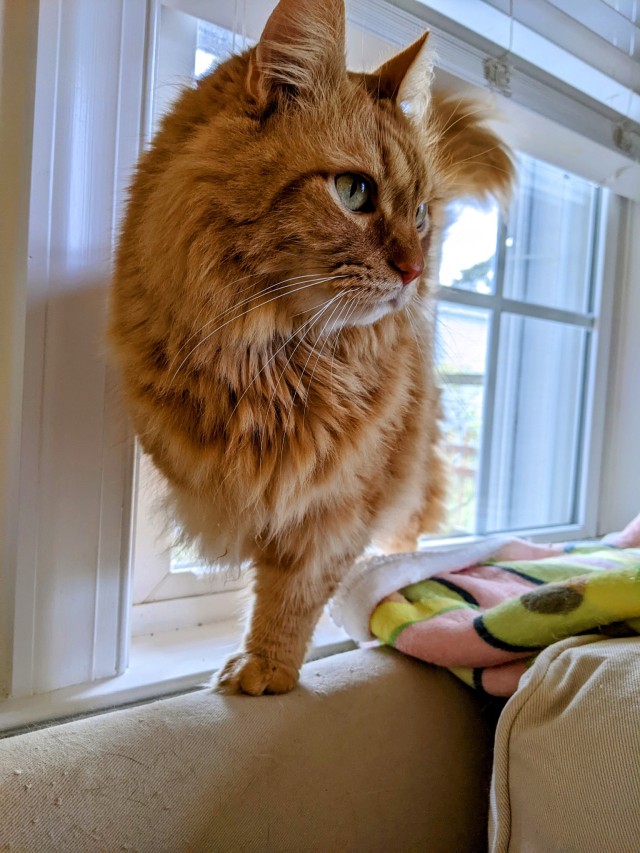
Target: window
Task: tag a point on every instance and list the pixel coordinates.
(523, 327)
(515, 320)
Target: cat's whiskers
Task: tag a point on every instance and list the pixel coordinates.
(289, 359)
(229, 285)
(288, 291)
(293, 396)
(316, 315)
(343, 319)
(293, 281)
(226, 287)
(319, 353)
(345, 310)
(338, 308)
(308, 322)
(414, 331)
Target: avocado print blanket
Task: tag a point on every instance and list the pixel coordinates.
(485, 610)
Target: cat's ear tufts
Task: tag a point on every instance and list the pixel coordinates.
(301, 51)
(406, 79)
(474, 161)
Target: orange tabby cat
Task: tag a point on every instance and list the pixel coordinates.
(272, 313)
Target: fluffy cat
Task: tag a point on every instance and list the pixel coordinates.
(272, 313)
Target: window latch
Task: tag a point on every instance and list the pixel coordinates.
(497, 73)
(627, 140)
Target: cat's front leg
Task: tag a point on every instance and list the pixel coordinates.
(287, 605)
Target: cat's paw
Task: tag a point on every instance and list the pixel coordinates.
(256, 674)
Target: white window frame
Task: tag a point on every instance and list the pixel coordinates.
(66, 458)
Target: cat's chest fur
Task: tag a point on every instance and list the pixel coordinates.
(290, 412)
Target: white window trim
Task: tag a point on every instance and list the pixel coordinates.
(19, 32)
(517, 36)
(69, 579)
(40, 635)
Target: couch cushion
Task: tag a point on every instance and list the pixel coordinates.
(567, 754)
(371, 752)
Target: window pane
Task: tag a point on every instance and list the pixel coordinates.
(468, 260)
(214, 44)
(550, 235)
(537, 424)
(461, 350)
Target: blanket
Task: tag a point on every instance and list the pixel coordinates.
(486, 610)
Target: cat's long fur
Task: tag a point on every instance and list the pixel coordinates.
(275, 367)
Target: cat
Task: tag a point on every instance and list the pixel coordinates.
(272, 313)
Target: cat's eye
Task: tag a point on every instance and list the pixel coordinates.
(421, 216)
(355, 192)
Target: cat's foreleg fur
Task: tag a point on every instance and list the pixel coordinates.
(288, 601)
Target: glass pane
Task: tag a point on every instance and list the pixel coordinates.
(188, 48)
(550, 235)
(214, 44)
(468, 260)
(461, 351)
(537, 424)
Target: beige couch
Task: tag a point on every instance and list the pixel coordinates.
(373, 752)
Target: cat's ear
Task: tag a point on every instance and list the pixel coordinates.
(302, 49)
(406, 79)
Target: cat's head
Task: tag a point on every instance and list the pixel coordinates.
(327, 187)
(352, 187)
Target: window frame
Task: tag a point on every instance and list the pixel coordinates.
(66, 580)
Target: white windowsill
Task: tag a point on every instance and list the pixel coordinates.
(159, 665)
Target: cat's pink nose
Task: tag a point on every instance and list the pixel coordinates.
(409, 270)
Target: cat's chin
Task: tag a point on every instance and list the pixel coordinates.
(372, 314)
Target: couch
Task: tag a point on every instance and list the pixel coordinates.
(372, 752)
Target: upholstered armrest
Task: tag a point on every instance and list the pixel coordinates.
(567, 752)
(371, 752)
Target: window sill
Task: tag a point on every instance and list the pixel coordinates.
(160, 665)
